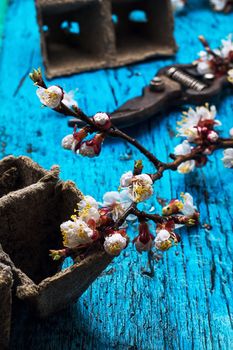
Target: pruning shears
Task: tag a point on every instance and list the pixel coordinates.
(173, 85)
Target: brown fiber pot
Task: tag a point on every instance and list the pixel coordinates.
(33, 204)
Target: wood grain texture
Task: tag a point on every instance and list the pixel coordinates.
(188, 304)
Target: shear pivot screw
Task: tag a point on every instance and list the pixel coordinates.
(157, 84)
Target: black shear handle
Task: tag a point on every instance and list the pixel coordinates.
(141, 108)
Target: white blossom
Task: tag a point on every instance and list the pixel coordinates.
(181, 150)
(219, 5)
(188, 206)
(190, 119)
(50, 97)
(228, 158)
(203, 65)
(88, 201)
(68, 99)
(75, 233)
(162, 241)
(141, 188)
(227, 46)
(88, 209)
(89, 213)
(117, 202)
(126, 179)
(186, 167)
(205, 113)
(178, 5)
(114, 244)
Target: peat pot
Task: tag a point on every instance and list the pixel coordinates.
(33, 204)
(83, 35)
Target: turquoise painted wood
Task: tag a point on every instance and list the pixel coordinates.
(3, 8)
(188, 304)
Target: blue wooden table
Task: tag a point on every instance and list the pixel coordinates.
(188, 304)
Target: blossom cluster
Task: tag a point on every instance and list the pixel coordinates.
(105, 224)
(94, 222)
(87, 224)
(55, 97)
(86, 227)
(166, 236)
(87, 148)
(219, 61)
(198, 127)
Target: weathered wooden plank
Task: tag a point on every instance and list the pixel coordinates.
(188, 305)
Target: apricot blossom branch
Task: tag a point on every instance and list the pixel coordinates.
(106, 223)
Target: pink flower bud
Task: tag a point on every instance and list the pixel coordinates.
(67, 142)
(102, 120)
(91, 148)
(212, 136)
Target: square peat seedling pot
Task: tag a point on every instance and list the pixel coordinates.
(32, 208)
(82, 35)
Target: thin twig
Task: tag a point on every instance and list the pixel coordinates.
(159, 219)
(161, 167)
(114, 132)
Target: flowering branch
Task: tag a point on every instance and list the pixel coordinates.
(106, 224)
(195, 154)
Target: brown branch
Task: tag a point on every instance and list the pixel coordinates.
(159, 219)
(207, 48)
(195, 154)
(114, 132)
